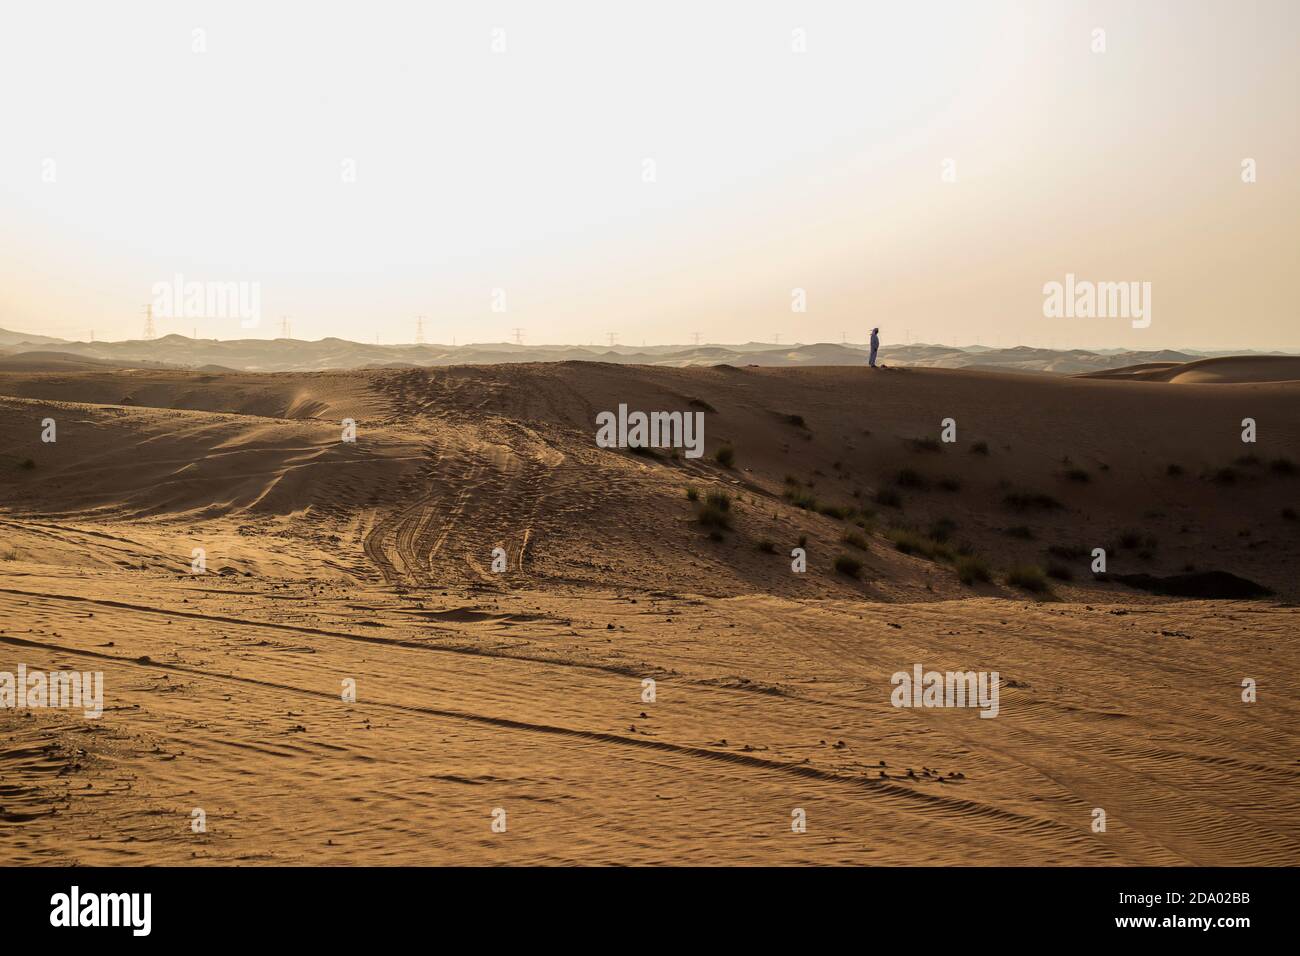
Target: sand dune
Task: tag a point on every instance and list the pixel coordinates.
(372, 561)
(52, 362)
(299, 355)
(1233, 370)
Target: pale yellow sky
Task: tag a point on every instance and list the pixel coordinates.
(135, 148)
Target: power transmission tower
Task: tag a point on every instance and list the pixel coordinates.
(611, 338)
(149, 332)
(419, 330)
(777, 338)
(697, 338)
(284, 327)
(519, 336)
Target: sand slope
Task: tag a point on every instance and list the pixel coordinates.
(1234, 370)
(372, 561)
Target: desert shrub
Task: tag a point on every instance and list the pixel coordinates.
(712, 517)
(910, 542)
(767, 547)
(848, 565)
(971, 569)
(949, 484)
(692, 493)
(1224, 476)
(726, 456)
(795, 420)
(1174, 470)
(645, 451)
(702, 404)
(802, 499)
(27, 464)
(911, 478)
(855, 539)
(888, 498)
(1289, 514)
(926, 444)
(1079, 475)
(1020, 531)
(941, 529)
(716, 512)
(1247, 461)
(838, 512)
(1030, 500)
(1059, 571)
(979, 448)
(1282, 466)
(1028, 577)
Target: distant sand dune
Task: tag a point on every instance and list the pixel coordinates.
(1232, 370)
(52, 362)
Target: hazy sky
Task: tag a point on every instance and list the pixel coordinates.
(133, 148)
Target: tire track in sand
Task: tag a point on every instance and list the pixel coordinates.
(894, 794)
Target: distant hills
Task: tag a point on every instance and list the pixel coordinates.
(20, 350)
(23, 338)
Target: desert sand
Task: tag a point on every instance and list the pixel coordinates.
(1231, 370)
(522, 691)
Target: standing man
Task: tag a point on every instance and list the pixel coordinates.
(875, 345)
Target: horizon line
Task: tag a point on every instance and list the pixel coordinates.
(624, 348)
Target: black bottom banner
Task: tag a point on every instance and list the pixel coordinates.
(337, 905)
